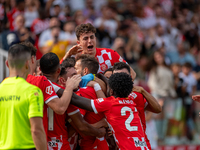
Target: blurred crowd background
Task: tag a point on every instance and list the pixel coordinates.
(158, 38)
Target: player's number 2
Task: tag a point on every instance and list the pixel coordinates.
(129, 119)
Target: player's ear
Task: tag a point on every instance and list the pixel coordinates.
(6, 62)
(85, 71)
(111, 92)
(78, 42)
(62, 80)
(33, 59)
(58, 70)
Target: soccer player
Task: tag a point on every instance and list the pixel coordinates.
(57, 133)
(21, 105)
(143, 100)
(86, 64)
(85, 34)
(120, 112)
(58, 105)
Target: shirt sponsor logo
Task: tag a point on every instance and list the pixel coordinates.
(10, 98)
(49, 90)
(139, 143)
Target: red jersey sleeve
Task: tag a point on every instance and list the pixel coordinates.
(116, 58)
(71, 110)
(48, 91)
(100, 105)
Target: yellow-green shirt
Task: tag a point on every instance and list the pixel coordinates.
(19, 101)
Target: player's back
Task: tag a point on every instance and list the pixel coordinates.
(48, 93)
(124, 120)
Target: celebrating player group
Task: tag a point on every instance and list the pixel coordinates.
(69, 104)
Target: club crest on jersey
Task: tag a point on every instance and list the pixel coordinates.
(49, 90)
(133, 95)
(103, 67)
(120, 59)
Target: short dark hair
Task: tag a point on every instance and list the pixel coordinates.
(121, 84)
(84, 28)
(67, 63)
(121, 65)
(32, 48)
(49, 63)
(88, 61)
(17, 56)
(109, 69)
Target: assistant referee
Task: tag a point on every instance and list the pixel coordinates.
(21, 105)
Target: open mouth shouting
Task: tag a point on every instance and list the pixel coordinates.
(90, 47)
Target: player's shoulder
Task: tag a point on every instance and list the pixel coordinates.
(36, 78)
(105, 49)
(137, 97)
(62, 87)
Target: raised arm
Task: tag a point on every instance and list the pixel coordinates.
(60, 105)
(153, 105)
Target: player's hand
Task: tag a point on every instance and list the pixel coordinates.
(138, 89)
(196, 98)
(73, 82)
(73, 51)
(102, 132)
(109, 132)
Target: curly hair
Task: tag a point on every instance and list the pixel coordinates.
(121, 84)
(84, 28)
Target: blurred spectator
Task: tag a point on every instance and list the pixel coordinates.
(107, 22)
(69, 29)
(31, 12)
(55, 45)
(57, 10)
(79, 18)
(161, 85)
(20, 34)
(15, 11)
(190, 81)
(40, 24)
(89, 11)
(46, 35)
(182, 55)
